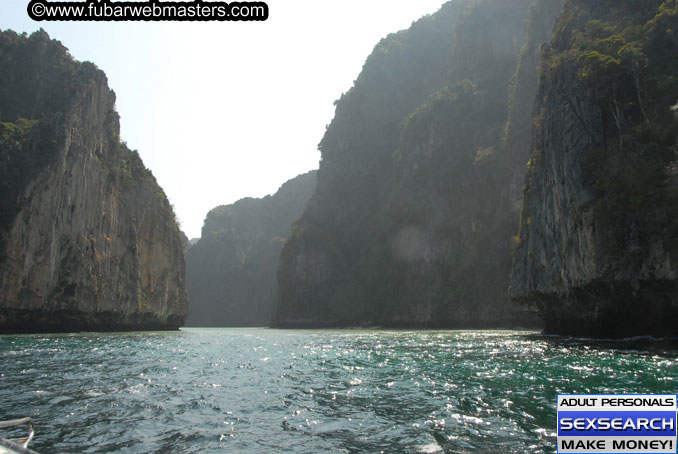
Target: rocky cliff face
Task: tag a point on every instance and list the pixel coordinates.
(597, 251)
(416, 205)
(88, 240)
(231, 271)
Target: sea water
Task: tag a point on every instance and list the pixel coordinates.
(271, 391)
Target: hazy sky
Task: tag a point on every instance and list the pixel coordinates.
(225, 110)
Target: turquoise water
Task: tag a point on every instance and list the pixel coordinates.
(259, 390)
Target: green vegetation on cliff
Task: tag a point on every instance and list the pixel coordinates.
(625, 55)
(16, 166)
(34, 70)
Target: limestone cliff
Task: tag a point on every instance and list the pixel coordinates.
(88, 240)
(416, 206)
(597, 252)
(231, 270)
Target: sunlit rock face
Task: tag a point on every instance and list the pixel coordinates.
(88, 240)
(419, 187)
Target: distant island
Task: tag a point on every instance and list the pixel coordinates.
(231, 269)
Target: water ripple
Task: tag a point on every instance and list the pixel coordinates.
(243, 391)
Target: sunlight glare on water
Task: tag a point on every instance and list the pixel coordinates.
(261, 390)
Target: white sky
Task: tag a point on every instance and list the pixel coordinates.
(225, 110)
